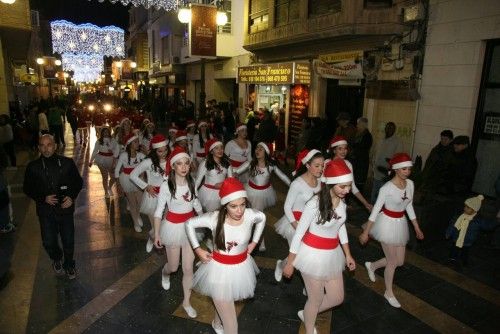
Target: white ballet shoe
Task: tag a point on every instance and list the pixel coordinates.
(216, 329)
(140, 222)
(165, 282)
(278, 271)
(392, 301)
(137, 228)
(304, 292)
(300, 314)
(190, 311)
(149, 245)
(371, 273)
(262, 246)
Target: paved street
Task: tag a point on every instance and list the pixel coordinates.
(118, 288)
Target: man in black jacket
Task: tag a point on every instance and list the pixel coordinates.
(54, 182)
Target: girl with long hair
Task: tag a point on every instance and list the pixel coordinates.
(228, 273)
(339, 146)
(104, 155)
(239, 151)
(155, 168)
(199, 141)
(308, 170)
(177, 198)
(315, 247)
(261, 193)
(387, 223)
(212, 172)
(127, 161)
(146, 134)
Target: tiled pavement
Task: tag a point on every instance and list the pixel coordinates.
(118, 286)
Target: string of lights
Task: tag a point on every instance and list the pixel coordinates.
(167, 5)
(87, 38)
(86, 68)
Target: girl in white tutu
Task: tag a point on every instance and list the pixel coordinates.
(239, 151)
(228, 273)
(308, 170)
(156, 169)
(191, 133)
(212, 172)
(387, 222)
(199, 141)
(261, 193)
(315, 247)
(147, 133)
(177, 203)
(104, 155)
(339, 146)
(127, 161)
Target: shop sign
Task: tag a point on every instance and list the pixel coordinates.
(341, 65)
(203, 31)
(275, 74)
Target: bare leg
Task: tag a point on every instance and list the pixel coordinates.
(226, 313)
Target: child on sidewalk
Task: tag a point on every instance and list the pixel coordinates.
(464, 229)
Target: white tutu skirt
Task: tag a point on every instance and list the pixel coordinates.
(126, 184)
(148, 204)
(284, 228)
(209, 198)
(321, 264)
(173, 235)
(391, 231)
(104, 162)
(226, 282)
(261, 199)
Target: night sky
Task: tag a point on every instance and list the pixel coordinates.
(83, 11)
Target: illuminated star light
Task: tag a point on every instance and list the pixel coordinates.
(167, 5)
(87, 39)
(86, 68)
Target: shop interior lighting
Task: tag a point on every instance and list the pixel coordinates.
(87, 38)
(158, 4)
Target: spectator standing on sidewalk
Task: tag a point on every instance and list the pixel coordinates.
(6, 225)
(56, 125)
(360, 153)
(7, 139)
(53, 182)
(43, 123)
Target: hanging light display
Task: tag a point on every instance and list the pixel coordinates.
(87, 38)
(86, 68)
(158, 4)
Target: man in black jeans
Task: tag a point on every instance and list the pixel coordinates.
(54, 182)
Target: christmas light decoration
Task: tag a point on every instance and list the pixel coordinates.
(158, 4)
(87, 38)
(86, 68)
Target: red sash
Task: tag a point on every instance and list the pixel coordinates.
(210, 186)
(128, 170)
(318, 242)
(106, 154)
(178, 218)
(297, 215)
(200, 155)
(393, 214)
(229, 259)
(263, 187)
(156, 189)
(235, 163)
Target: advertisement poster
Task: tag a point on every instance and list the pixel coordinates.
(299, 104)
(203, 31)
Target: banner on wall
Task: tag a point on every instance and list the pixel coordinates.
(275, 74)
(349, 70)
(203, 31)
(299, 105)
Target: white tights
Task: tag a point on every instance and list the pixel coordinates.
(225, 315)
(134, 199)
(394, 257)
(107, 178)
(321, 296)
(172, 265)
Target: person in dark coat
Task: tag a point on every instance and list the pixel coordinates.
(461, 168)
(360, 152)
(53, 182)
(435, 168)
(267, 129)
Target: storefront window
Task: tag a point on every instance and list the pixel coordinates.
(259, 15)
(286, 11)
(323, 7)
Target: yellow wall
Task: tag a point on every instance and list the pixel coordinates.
(16, 15)
(4, 103)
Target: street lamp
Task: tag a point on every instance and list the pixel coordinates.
(8, 2)
(40, 61)
(184, 15)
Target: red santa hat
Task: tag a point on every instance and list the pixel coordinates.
(173, 129)
(337, 141)
(190, 123)
(266, 147)
(239, 127)
(181, 135)
(303, 158)
(158, 141)
(211, 144)
(129, 139)
(177, 154)
(336, 171)
(400, 160)
(230, 190)
(202, 123)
